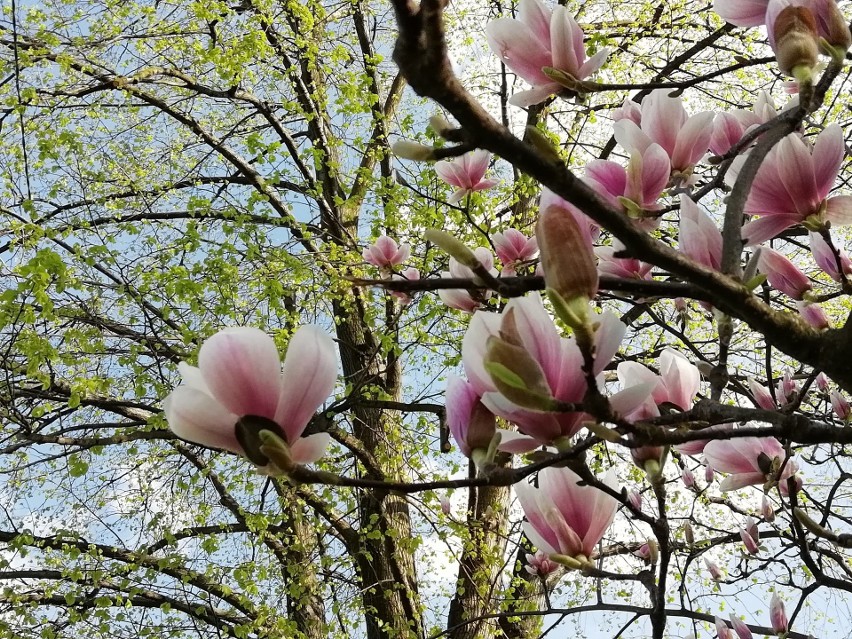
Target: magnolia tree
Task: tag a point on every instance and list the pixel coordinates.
(560, 293)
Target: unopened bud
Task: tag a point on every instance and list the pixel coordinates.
(566, 253)
(517, 375)
(767, 510)
(837, 38)
(635, 499)
(454, 247)
(688, 534)
(408, 150)
(653, 551)
(795, 40)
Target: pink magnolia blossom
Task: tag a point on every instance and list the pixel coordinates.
(741, 628)
(827, 260)
(411, 274)
(722, 630)
(730, 127)
(591, 231)
(385, 253)
(813, 314)
(750, 536)
(640, 184)
(685, 139)
(782, 273)
(792, 185)
(676, 384)
(462, 299)
(513, 247)
(786, 390)
(239, 375)
(635, 499)
(629, 110)
(559, 358)
(538, 39)
(777, 615)
(762, 397)
(466, 173)
(714, 570)
(750, 461)
(540, 564)
(767, 510)
(840, 405)
(699, 237)
(625, 267)
(822, 382)
(688, 478)
(446, 506)
(471, 424)
(563, 517)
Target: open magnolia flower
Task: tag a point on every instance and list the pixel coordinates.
(563, 517)
(239, 381)
(750, 461)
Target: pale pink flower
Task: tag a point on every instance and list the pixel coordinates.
(813, 314)
(676, 384)
(840, 405)
(641, 183)
(750, 461)
(792, 186)
(741, 628)
(684, 138)
(466, 173)
(777, 615)
(687, 478)
(827, 260)
(563, 517)
(385, 253)
(239, 375)
(762, 397)
(446, 507)
(471, 424)
(750, 536)
(644, 552)
(590, 230)
(782, 273)
(699, 237)
(786, 390)
(559, 358)
(625, 267)
(541, 38)
(767, 510)
(635, 499)
(411, 274)
(540, 564)
(722, 630)
(513, 248)
(462, 299)
(822, 382)
(629, 110)
(714, 570)
(727, 131)
(709, 474)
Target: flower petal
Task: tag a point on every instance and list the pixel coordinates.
(307, 450)
(310, 372)
(240, 366)
(197, 417)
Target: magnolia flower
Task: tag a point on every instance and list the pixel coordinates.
(786, 390)
(684, 138)
(792, 185)
(513, 247)
(840, 405)
(741, 628)
(411, 274)
(782, 273)
(813, 315)
(832, 264)
(542, 39)
(762, 397)
(567, 257)
(750, 461)
(471, 424)
(462, 299)
(722, 630)
(793, 36)
(466, 173)
(714, 570)
(777, 615)
(676, 384)
(634, 189)
(822, 382)
(635, 499)
(540, 564)
(687, 477)
(527, 324)
(730, 127)
(750, 536)
(564, 518)
(625, 267)
(385, 253)
(767, 510)
(629, 110)
(239, 379)
(699, 237)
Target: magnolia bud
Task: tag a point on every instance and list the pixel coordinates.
(688, 534)
(567, 257)
(795, 40)
(836, 30)
(715, 571)
(408, 150)
(741, 628)
(635, 500)
(777, 615)
(767, 510)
